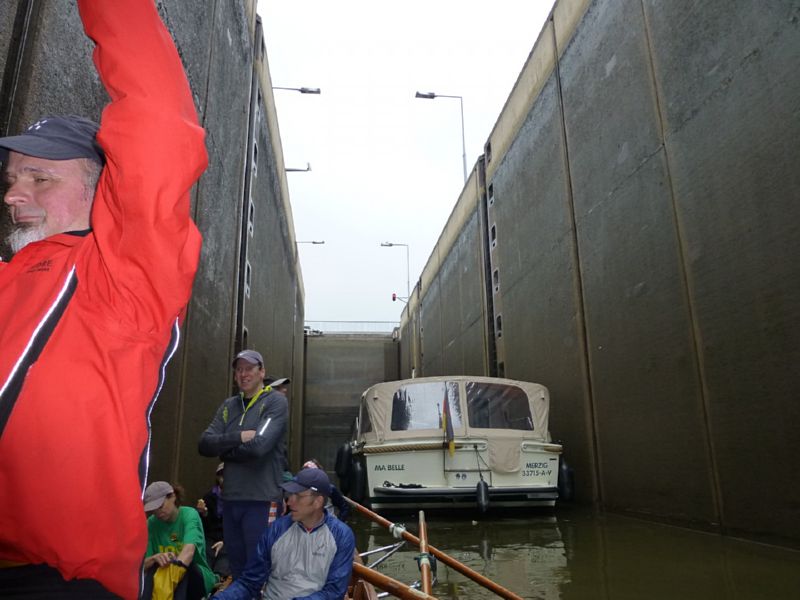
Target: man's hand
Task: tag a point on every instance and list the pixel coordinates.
(162, 559)
(248, 435)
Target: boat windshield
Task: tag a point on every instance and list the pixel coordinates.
(420, 405)
(498, 406)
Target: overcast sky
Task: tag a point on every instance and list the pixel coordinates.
(385, 167)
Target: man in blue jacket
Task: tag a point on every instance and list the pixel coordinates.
(307, 554)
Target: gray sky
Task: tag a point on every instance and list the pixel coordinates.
(386, 167)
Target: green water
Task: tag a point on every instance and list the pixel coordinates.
(579, 555)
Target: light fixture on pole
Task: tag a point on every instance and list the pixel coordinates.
(302, 90)
(317, 242)
(433, 96)
(290, 170)
(408, 265)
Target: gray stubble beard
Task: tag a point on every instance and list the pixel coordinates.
(21, 236)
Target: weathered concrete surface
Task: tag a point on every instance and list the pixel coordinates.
(220, 46)
(535, 259)
(644, 221)
(452, 323)
(640, 346)
(339, 367)
(730, 103)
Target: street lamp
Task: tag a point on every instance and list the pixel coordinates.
(311, 242)
(408, 263)
(302, 90)
(433, 96)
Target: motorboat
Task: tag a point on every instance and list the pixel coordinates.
(450, 442)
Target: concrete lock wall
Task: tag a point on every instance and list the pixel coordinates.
(641, 222)
(339, 368)
(248, 290)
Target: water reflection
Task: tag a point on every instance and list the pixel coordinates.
(580, 555)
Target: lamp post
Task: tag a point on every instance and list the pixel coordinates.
(302, 90)
(311, 242)
(433, 96)
(408, 265)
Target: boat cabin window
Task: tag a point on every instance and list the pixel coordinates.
(497, 406)
(365, 425)
(420, 406)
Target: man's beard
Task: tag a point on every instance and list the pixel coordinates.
(22, 236)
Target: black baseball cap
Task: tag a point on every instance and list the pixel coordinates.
(56, 138)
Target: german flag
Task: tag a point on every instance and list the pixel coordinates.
(447, 426)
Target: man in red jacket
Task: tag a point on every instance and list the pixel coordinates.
(105, 256)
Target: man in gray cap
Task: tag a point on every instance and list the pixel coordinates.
(248, 433)
(105, 253)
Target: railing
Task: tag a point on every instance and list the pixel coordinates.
(320, 327)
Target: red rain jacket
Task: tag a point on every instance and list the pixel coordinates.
(88, 322)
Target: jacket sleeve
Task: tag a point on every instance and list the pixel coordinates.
(148, 245)
(271, 429)
(342, 566)
(215, 441)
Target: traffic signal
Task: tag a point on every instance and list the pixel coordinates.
(394, 297)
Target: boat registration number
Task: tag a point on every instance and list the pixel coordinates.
(537, 469)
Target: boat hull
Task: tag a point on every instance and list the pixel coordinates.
(428, 475)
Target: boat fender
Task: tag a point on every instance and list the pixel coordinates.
(482, 495)
(566, 481)
(358, 481)
(343, 457)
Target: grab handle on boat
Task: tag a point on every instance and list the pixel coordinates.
(451, 562)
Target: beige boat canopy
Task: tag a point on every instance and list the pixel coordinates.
(483, 407)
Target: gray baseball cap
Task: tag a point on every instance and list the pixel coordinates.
(155, 494)
(250, 356)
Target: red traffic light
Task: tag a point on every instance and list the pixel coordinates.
(394, 297)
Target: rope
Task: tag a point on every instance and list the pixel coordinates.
(404, 447)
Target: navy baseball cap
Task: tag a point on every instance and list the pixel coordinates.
(315, 480)
(56, 138)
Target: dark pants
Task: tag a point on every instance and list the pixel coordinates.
(40, 582)
(191, 587)
(243, 522)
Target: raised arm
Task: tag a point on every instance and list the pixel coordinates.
(154, 149)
